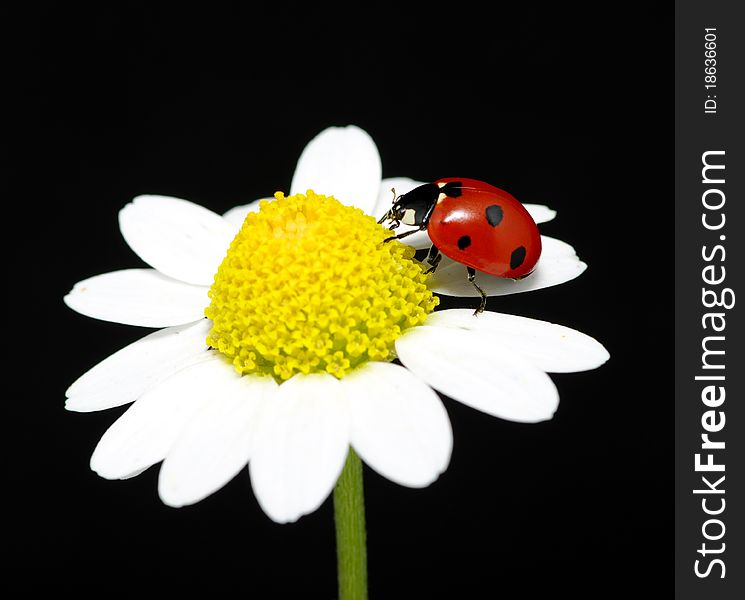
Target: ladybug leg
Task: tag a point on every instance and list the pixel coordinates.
(433, 258)
(403, 235)
(472, 279)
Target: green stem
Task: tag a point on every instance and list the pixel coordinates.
(349, 515)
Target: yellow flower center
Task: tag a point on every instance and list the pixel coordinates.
(309, 286)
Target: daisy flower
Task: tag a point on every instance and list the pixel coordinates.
(279, 324)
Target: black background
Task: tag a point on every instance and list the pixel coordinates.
(567, 106)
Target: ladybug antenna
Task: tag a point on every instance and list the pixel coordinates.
(388, 214)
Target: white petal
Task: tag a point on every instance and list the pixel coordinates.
(470, 367)
(134, 473)
(178, 238)
(540, 213)
(558, 264)
(144, 434)
(236, 215)
(342, 162)
(126, 375)
(217, 443)
(550, 347)
(398, 424)
(301, 447)
(140, 297)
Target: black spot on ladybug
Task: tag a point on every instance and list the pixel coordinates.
(494, 214)
(517, 257)
(464, 241)
(452, 189)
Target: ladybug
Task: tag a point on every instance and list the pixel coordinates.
(473, 223)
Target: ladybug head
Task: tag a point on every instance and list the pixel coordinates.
(413, 208)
